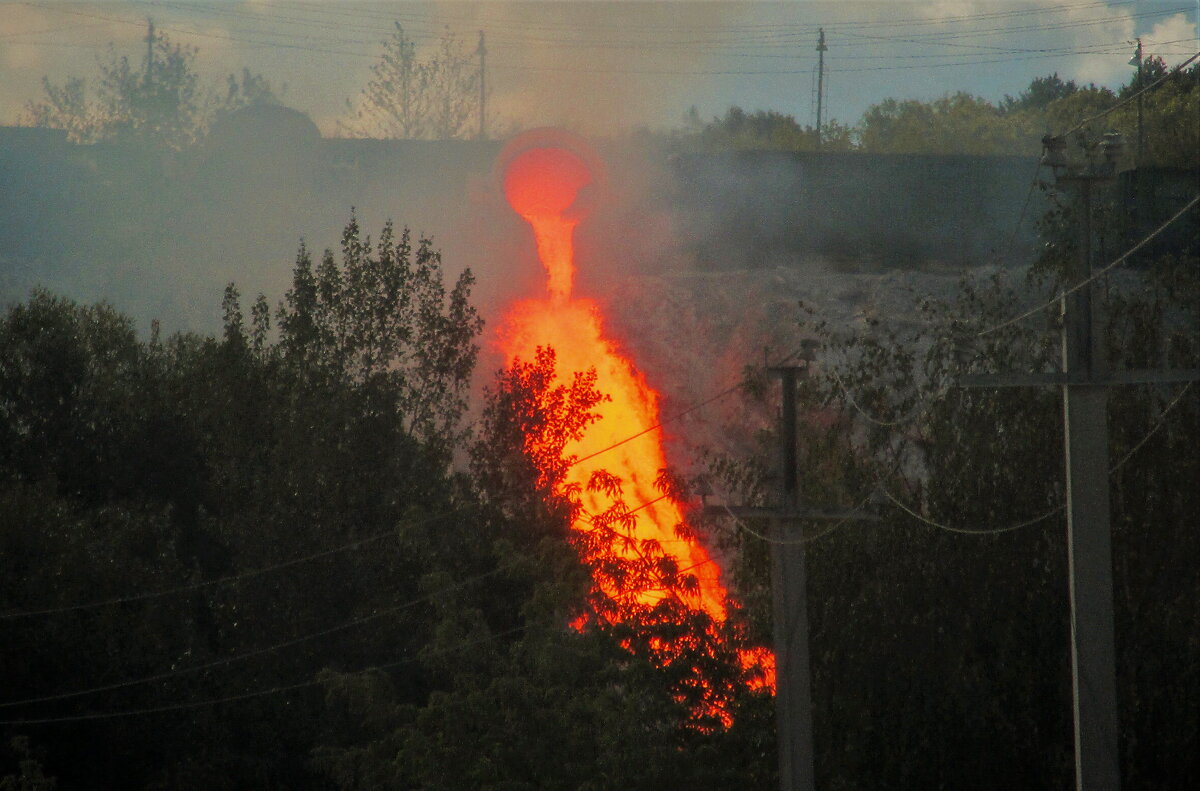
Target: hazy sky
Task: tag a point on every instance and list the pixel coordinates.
(602, 66)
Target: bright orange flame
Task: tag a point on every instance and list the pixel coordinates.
(543, 184)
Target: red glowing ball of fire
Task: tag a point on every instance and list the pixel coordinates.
(544, 182)
(549, 172)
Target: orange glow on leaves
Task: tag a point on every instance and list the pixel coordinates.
(543, 185)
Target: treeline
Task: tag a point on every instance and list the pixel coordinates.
(163, 102)
(961, 123)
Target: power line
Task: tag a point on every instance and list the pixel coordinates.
(353, 545)
(228, 660)
(658, 425)
(870, 418)
(981, 531)
(1110, 49)
(68, 29)
(1158, 423)
(678, 415)
(103, 715)
(777, 35)
(357, 544)
(804, 539)
(257, 652)
(921, 407)
(939, 38)
(226, 580)
(802, 28)
(1153, 430)
(220, 36)
(1097, 274)
(961, 530)
(524, 42)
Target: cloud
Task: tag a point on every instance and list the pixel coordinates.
(1170, 38)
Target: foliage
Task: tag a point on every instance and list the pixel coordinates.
(131, 467)
(611, 704)
(761, 130)
(244, 90)
(1042, 92)
(31, 775)
(409, 97)
(383, 320)
(966, 124)
(159, 103)
(1171, 115)
(961, 123)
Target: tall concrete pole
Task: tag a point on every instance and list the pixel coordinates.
(482, 51)
(149, 50)
(1141, 135)
(789, 593)
(1084, 383)
(789, 584)
(1089, 536)
(821, 49)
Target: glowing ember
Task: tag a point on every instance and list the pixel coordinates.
(543, 183)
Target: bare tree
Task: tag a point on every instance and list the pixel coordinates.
(158, 103)
(410, 97)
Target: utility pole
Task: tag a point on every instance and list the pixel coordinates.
(821, 49)
(1089, 536)
(149, 76)
(789, 592)
(482, 52)
(789, 586)
(1141, 136)
(1084, 382)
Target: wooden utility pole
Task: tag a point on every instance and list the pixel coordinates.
(1084, 382)
(482, 51)
(821, 49)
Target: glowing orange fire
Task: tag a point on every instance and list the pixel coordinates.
(543, 183)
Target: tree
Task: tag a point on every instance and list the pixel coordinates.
(536, 704)
(954, 124)
(761, 130)
(130, 467)
(410, 97)
(159, 103)
(1171, 114)
(384, 320)
(248, 90)
(1041, 92)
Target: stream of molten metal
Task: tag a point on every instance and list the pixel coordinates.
(542, 185)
